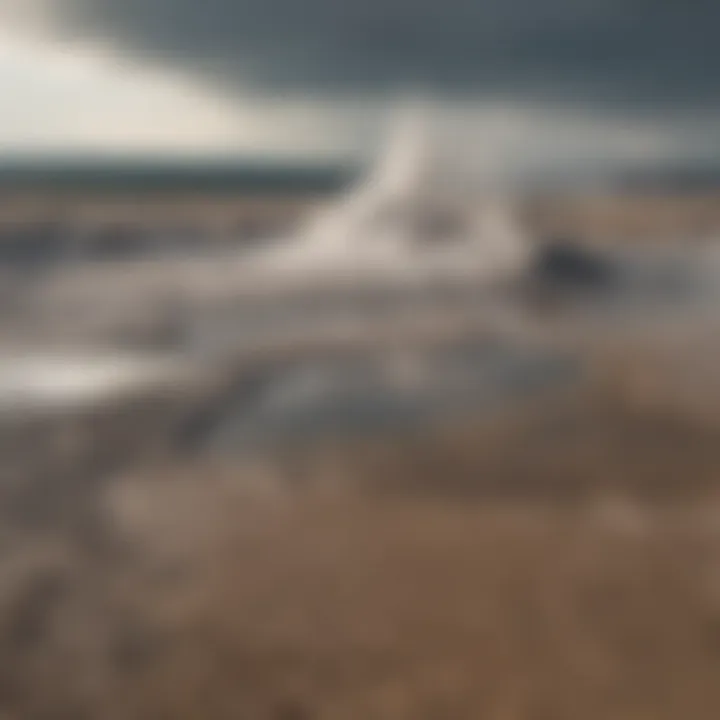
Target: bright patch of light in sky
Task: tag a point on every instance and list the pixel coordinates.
(61, 99)
(81, 98)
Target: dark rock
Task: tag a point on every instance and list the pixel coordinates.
(563, 263)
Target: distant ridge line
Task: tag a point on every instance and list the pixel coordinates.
(89, 176)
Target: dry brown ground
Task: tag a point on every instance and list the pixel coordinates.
(646, 217)
(627, 216)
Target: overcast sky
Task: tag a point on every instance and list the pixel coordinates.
(576, 79)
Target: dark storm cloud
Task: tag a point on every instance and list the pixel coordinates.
(644, 51)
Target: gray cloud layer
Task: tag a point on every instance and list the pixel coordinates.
(655, 52)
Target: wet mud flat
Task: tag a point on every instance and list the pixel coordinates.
(554, 557)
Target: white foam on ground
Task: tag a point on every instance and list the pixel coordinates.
(61, 381)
